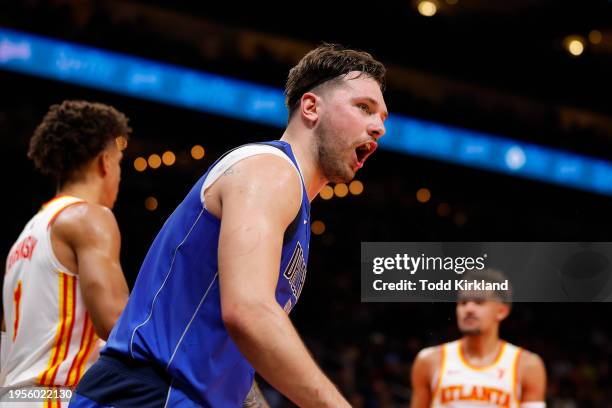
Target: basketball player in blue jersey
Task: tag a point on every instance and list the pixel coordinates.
(211, 302)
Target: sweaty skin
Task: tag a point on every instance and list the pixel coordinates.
(86, 239)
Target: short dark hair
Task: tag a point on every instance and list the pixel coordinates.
(489, 275)
(71, 134)
(326, 62)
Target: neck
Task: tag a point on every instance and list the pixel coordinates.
(482, 345)
(304, 151)
(88, 191)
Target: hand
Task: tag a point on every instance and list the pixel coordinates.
(255, 399)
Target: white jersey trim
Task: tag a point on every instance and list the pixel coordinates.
(63, 203)
(239, 154)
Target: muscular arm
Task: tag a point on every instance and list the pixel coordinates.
(258, 201)
(422, 372)
(92, 233)
(533, 377)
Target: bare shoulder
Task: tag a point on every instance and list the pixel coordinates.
(429, 358)
(85, 221)
(265, 168)
(263, 180)
(424, 367)
(530, 362)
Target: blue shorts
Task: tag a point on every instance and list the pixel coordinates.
(120, 382)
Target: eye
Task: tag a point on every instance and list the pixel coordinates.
(364, 107)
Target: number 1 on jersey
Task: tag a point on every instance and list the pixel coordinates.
(17, 300)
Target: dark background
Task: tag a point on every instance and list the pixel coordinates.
(494, 66)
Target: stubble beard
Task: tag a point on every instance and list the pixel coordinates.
(471, 332)
(329, 153)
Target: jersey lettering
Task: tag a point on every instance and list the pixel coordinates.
(23, 250)
(296, 271)
(493, 395)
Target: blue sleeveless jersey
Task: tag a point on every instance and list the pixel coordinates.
(173, 316)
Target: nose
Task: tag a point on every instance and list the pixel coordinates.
(470, 306)
(376, 129)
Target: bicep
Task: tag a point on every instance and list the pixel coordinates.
(533, 376)
(259, 200)
(420, 379)
(97, 247)
(250, 244)
(97, 254)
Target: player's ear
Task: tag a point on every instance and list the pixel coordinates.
(503, 310)
(103, 162)
(310, 108)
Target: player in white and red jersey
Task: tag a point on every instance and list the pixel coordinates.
(480, 370)
(63, 284)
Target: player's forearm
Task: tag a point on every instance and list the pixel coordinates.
(105, 312)
(104, 322)
(265, 335)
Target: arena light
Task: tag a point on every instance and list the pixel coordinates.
(460, 219)
(356, 187)
(154, 161)
(595, 37)
(168, 158)
(151, 203)
(575, 47)
(197, 152)
(443, 209)
(341, 190)
(140, 164)
(427, 8)
(317, 227)
(151, 80)
(574, 44)
(327, 192)
(515, 158)
(423, 195)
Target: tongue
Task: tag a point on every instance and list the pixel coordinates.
(360, 159)
(361, 153)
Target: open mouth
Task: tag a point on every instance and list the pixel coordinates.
(364, 150)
